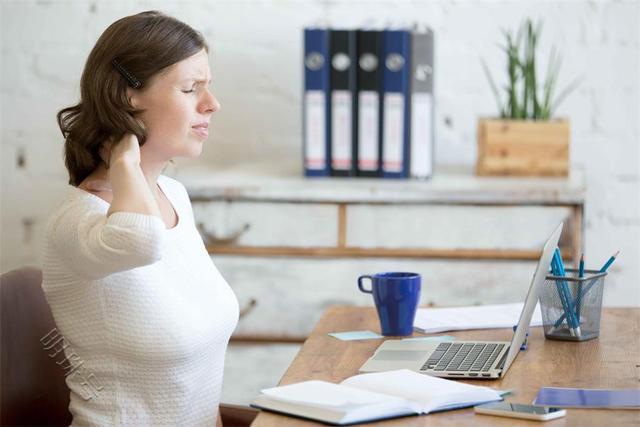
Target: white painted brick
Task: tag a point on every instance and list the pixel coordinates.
(12, 247)
(14, 64)
(604, 240)
(579, 108)
(623, 201)
(255, 58)
(603, 66)
(10, 171)
(23, 22)
(610, 155)
(29, 201)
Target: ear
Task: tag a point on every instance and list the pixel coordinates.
(134, 98)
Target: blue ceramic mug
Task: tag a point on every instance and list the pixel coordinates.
(396, 296)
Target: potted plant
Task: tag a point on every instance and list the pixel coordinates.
(525, 140)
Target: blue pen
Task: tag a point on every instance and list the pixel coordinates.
(556, 272)
(565, 296)
(579, 297)
(604, 268)
(607, 264)
(572, 319)
(590, 285)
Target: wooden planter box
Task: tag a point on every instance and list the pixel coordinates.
(523, 147)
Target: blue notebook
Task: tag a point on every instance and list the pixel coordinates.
(588, 398)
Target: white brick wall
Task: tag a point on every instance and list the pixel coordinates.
(256, 47)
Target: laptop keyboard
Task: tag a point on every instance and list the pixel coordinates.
(472, 357)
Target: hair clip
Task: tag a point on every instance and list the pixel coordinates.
(133, 81)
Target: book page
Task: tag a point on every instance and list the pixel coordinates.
(430, 392)
(325, 394)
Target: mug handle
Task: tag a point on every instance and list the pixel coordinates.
(361, 284)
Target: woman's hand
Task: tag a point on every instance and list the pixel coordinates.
(126, 150)
(131, 191)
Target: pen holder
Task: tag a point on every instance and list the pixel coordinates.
(571, 305)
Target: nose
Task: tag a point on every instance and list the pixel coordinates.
(210, 103)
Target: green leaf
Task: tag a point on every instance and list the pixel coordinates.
(566, 91)
(494, 88)
(549, 79)
(525, 96)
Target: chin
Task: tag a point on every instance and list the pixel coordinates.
(195, 150)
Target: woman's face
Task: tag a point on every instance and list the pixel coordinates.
(177, 108)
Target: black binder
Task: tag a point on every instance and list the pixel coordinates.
(369, 112)
(343, 111)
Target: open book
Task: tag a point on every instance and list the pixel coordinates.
(369, 397)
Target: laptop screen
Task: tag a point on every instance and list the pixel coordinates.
(532, 296)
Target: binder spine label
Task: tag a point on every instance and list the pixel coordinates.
(393, 128)
(341, 122)
(421, 134)
(368, 118)
(315, 129)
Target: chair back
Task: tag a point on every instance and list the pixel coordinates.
(33, 389)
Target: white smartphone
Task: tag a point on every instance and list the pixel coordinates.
(519, 410)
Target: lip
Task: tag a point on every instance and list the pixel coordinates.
(202, 129)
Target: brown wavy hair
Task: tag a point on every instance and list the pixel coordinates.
(143, 45)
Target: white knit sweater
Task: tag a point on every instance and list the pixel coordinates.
(146, 316)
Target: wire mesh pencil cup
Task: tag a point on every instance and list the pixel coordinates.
(571, 305)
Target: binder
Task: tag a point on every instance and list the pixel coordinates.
(343, 135)
(422, 141)
(369, 77)
(316, 103)
(395, 104)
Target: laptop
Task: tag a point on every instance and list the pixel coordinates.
(465, 359)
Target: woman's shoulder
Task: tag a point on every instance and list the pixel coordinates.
(75, 204)
(75, 208)
(82, 200)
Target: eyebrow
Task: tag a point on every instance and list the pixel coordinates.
(197, 80)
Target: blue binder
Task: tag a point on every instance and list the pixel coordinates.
(317, 155)
(395, 103)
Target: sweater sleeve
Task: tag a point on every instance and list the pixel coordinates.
(95, 246)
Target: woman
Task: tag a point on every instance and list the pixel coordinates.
(145, 314)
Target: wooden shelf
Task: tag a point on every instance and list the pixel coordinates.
(346, 252)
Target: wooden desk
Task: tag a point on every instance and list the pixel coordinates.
(259, 220)
(612, 361)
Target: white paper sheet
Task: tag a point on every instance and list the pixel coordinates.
(433, 320)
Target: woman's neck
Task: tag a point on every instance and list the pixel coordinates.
(99, 179)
